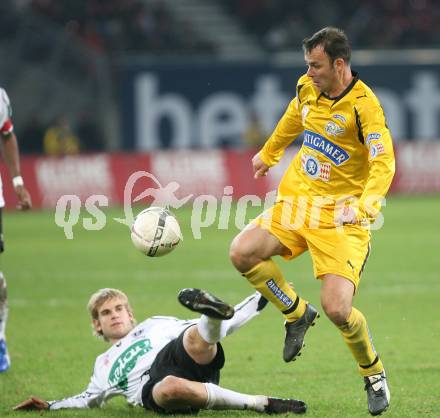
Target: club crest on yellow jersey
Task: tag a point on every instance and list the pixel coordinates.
(333, 129)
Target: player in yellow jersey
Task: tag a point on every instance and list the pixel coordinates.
(328, 196)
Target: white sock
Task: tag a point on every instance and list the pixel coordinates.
(210, 329)
(3, 306)
(244, 312)
(220, 398)
(213, 330)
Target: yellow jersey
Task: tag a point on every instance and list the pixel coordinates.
(347, 148)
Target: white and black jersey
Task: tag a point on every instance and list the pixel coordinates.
(123, 368)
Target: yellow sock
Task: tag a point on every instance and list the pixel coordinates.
(266, 277)
(357, 337)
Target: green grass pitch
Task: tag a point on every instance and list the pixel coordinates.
(51, 278)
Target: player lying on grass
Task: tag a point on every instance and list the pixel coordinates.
(166, 364)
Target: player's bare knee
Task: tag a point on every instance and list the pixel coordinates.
(241, 255)
(201, 351)
(169, 390)
(338, 314)
(193, 342)
(337, 317)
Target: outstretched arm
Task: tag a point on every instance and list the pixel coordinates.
(286, 131)
(92, 397)
(83, 400)
(11, 155)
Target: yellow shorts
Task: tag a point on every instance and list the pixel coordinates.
(342, 251)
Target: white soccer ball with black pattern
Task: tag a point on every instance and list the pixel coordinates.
(155, 232)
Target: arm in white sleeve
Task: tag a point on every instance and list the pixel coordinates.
(92, 397)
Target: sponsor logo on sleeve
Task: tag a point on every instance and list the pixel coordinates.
(324, 146)
(373, 137)
(376, 149)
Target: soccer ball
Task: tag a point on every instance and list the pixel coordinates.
(155, 232)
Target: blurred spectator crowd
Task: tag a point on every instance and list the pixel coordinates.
(116, 25)
(283, 24)
(149, 25)
(61, 137)
(112, 27)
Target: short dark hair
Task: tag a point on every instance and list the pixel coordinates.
(333, 40)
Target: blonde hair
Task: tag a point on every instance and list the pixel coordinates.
(102, 296)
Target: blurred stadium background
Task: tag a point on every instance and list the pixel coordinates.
(187, 90)
(206, 78)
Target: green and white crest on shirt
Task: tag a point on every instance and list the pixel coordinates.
(126, 362)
